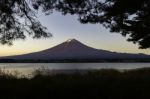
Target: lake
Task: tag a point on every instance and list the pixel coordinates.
(27, 68)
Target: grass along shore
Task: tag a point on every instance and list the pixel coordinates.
(94, 84)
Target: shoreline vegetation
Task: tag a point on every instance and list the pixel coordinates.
(93, 84)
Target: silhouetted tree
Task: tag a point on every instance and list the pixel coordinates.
(131, 18)
(17, 18)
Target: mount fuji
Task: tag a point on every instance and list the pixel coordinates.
(73, 49)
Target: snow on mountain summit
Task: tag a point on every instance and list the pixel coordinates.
(71, 40)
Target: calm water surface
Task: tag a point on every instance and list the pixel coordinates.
(29, 67)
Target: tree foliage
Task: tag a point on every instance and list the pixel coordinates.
(130, 18)
(17, 18)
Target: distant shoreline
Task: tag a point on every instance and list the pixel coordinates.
(78, 61)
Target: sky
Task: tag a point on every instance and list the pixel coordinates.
(68, 27)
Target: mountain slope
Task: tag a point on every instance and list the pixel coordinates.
(73, 49)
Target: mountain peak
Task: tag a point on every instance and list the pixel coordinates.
(73, 49)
